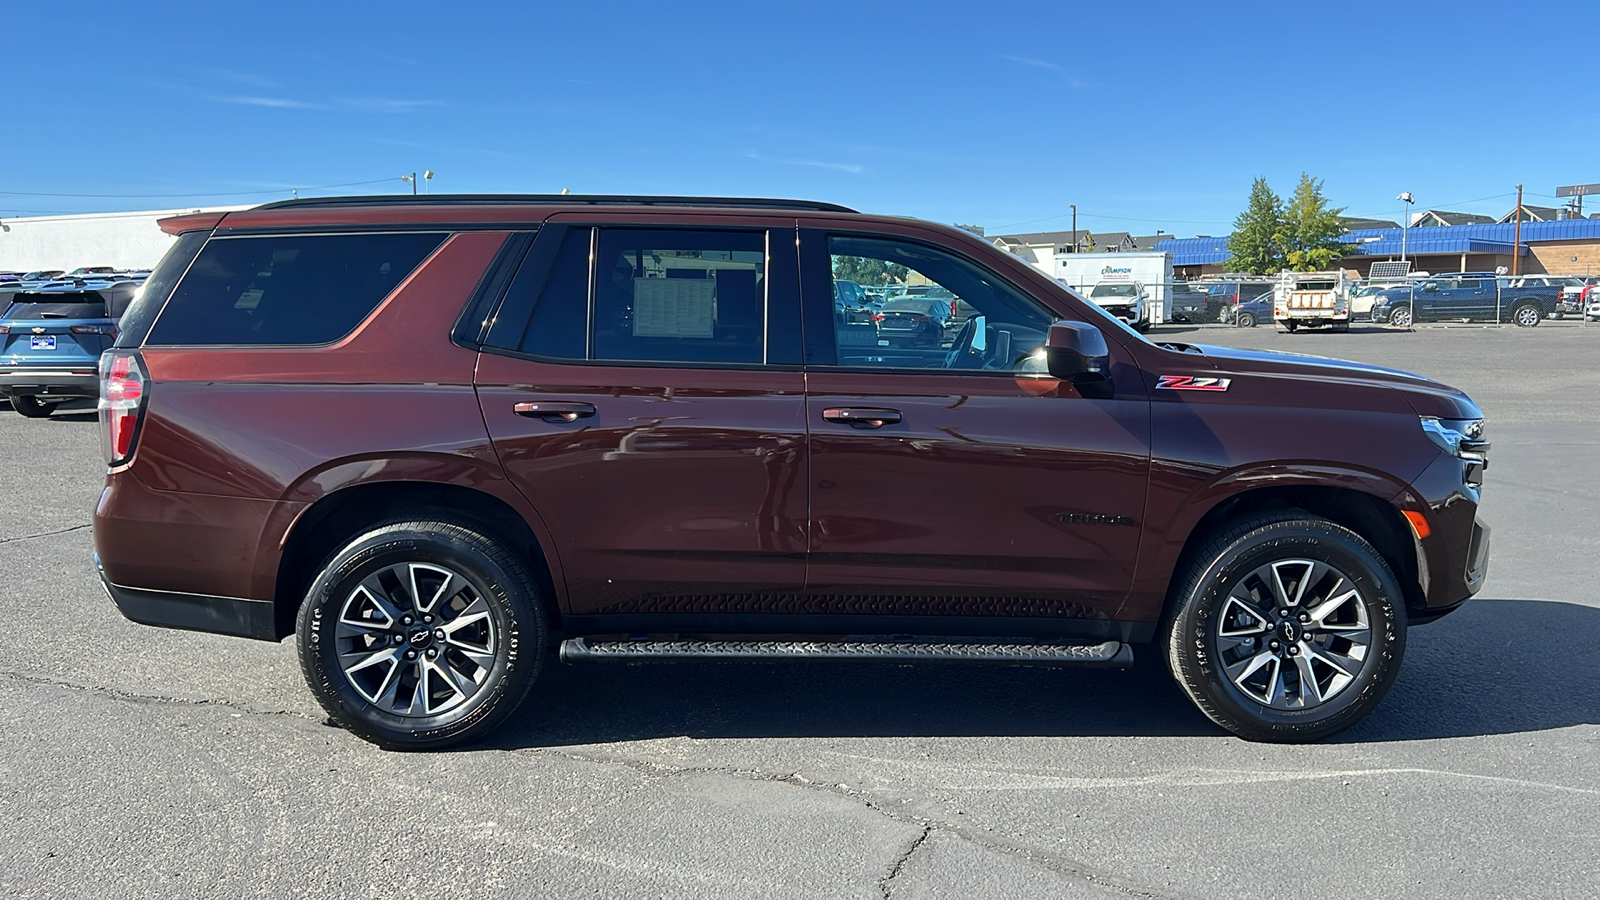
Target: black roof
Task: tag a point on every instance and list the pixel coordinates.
(556, 200)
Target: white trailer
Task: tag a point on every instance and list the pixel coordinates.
(1134, 287)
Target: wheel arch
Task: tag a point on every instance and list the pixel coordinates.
(1364, 512)
(341, 514)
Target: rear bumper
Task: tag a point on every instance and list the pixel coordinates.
(66, 382)
(1313, 317)
(192, 612)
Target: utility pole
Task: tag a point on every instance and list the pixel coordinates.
(1074, 228)
(1516, 242)
(1405, 226)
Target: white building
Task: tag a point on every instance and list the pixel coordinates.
(124, 240)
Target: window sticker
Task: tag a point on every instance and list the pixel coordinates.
(674, 307)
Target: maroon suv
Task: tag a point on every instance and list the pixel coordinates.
(439, 439)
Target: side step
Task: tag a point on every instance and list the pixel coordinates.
(1107, 655)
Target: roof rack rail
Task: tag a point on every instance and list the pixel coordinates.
(557, 200)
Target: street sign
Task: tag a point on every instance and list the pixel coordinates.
(1578, 190)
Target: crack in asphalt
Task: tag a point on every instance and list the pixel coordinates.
(886, 883)
(132, 697)
(1059, 865)
(1065, 867)
(45, 534)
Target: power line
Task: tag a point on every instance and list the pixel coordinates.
(320, 187)
(1084, 215)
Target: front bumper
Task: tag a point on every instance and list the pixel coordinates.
(63, 382)
(1129, 314)
(1453, 560)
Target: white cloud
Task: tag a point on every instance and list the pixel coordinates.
(852, 168)
(271, 102)
(1030, 61)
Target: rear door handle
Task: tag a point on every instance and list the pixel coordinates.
(554, 410)
(861, 417)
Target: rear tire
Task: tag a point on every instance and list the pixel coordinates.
(32, 407)
(422, 634)
(1527, 315)
(1287, 627)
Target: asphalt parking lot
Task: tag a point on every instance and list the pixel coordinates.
(143, 762)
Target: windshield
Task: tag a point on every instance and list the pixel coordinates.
(1114, 290)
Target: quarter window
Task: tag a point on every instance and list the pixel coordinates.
(287, 290)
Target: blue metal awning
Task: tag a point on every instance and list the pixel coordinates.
(1490, 238)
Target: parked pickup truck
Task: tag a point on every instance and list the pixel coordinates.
(1474, 296)
(1312, 299)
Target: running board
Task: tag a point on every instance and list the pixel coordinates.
(1107, 655)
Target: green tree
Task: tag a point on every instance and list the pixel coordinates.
(1310, 233)
(865, 270)
(1253, 246)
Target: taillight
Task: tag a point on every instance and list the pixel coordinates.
(107, 330)
(919, 319)
(877, 317)
(122, 391)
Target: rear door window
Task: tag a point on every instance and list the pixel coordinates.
(287, 289)
(680, 296)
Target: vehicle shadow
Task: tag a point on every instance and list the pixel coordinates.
(1494, 667)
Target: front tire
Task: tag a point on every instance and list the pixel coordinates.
(1400, 317)
(1246, 320)
(1287, 628)
(422, 634)
(32, 407)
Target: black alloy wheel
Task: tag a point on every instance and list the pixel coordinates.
(422, 634)
(1287, 627)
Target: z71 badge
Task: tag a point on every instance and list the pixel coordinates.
(1192, 383)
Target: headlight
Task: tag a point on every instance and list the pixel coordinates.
(1461, 438)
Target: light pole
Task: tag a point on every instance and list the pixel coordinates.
(1405, 226)
(411, 179)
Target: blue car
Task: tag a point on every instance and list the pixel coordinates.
(51, 340)
(1251, 313)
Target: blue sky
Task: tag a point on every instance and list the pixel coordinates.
(1146, 115)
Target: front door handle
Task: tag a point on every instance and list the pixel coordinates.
(554, 410)
(861, 417)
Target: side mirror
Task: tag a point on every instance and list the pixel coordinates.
(1077, 352)
(1430, 287)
